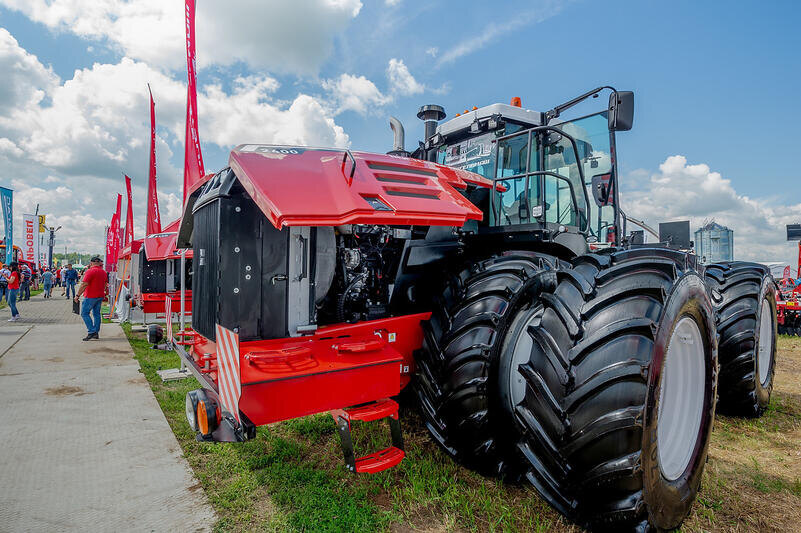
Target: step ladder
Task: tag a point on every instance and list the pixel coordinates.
(380, 460)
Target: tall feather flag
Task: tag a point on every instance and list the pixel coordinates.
(113, 238)
(153, 218)
(129, 230)
(193, 158)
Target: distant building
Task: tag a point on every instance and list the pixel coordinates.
(714, 243)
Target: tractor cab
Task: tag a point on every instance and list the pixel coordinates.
(554, 179)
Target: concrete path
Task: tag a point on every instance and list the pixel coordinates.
(83, 442)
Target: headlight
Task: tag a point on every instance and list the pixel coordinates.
(155, 334)
(191, 409)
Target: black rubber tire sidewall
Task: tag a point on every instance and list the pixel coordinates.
(669, 502)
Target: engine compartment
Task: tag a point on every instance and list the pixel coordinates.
(367, 262)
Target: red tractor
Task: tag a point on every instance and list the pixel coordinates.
(490, 273)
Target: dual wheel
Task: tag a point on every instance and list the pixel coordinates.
(595, 380)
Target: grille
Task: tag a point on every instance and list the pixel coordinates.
(205, 278)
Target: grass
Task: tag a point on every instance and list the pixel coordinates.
(291, 477)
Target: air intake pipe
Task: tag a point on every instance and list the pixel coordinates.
(398, 138)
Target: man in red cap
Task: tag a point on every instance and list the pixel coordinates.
(93, 287)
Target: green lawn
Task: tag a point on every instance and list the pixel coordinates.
(291, 477)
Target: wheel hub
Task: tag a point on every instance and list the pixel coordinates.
(765, 346)
(681, 398)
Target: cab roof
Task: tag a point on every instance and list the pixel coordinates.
(506, 111)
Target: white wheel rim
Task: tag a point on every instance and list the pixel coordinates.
(521, 354)
(765, 346)
(681, 398)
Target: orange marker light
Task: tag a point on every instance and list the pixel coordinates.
(516, 101)
(474, 108)
(202, 418)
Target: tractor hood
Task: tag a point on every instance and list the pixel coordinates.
(299, 186)
(161, 246)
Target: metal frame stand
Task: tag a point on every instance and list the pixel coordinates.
(174, 374)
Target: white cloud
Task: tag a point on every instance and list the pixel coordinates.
(494, 30)
(681, 191)
(354, 93)
(25, 79)
(400, 79)
(393, 3)
(292, 37)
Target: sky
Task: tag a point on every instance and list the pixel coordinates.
(716, 125)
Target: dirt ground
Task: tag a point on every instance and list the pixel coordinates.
(752, 481)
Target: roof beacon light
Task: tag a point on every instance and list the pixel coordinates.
(516, 101)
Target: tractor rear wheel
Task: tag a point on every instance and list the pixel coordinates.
(615, 389)
(454, 381)
(744, 295)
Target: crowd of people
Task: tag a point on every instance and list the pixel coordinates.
(17, 279)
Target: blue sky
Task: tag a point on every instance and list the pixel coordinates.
(716, 122)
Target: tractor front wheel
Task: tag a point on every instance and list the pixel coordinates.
(613, 383)
(455, 379)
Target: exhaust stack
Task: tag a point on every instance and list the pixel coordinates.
(430, 115)
(398, 138)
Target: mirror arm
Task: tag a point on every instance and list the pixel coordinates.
(556, 111)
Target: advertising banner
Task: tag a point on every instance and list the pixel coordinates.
(193, 158)
(153, 222)
(30, 239)
(129, 231)
(42, 223)
(7, 198)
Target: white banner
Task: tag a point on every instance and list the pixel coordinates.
(30, 239)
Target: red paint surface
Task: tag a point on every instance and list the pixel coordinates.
(315, 187)
(292, 377)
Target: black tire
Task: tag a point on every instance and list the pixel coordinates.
(593, 379)
(738, 292)
(453, 382)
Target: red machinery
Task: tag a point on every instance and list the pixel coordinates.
(157, 274)
(788, 302)
(326, 280)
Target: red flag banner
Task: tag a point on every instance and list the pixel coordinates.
(786, 272)
(193, 158)
(115, 234)
(153, 218)
(113, 238)
(129, 231)
(228, 384)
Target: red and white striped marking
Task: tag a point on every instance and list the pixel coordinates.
(228, 384)
(168, 317)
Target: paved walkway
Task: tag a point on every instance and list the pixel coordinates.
(83, 442)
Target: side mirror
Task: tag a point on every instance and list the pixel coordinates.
(621, 111)
(602, 189)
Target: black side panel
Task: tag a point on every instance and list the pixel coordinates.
(152, 274)
(274, 271)
(205, 278)
(240, 265)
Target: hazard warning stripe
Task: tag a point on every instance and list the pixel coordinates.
(230, 388)
(168, 316)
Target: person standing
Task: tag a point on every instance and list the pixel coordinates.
(47, 281)
(71, 278)
(4, 274)
(13, 291)
(93, 288)
(25, 282)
